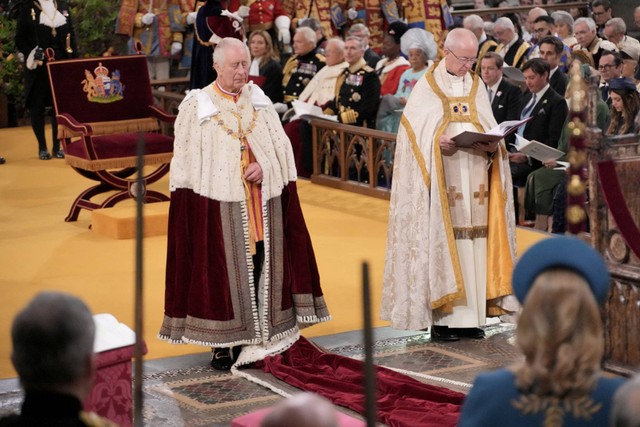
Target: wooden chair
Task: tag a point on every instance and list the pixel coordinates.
(103, 107)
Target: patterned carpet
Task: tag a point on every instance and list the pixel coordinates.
(201, 396)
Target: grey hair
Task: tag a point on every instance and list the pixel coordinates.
(358, 39)
(617, 24)
(588, 21)
(474, 21)
(359, 28)
(312, 23)
(308, 34)
(219, 52)
(625, 411)
(337, 41)
(505, 23)
(52, 338)
(563, 17)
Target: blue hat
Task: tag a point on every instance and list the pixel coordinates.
(566, 253)
(622, 83)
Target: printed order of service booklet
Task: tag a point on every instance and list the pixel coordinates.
(537, 150)
(468, 138)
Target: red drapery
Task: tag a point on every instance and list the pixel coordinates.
(401, 400)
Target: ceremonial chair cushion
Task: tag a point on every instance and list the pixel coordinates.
(111, 94)
(118, 151)
(104, 106)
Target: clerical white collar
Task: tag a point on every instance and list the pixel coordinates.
(483, 37)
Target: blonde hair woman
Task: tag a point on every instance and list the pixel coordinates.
(265, 68)
(560, 282)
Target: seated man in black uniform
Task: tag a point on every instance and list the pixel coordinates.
(357, 90)
(300, 68)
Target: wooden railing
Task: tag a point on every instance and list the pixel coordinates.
(352, 158)
(169, 94)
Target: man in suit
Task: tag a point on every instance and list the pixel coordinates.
(512, 48)
(610, 67)
(505, 98)
(588, 41)
(551, 49)
(549, 111)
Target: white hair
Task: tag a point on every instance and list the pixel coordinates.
(219, 52)
(504, 23)
(308, 34)
(587, 21)
(474, 21)
(337, 41)
(617, 24)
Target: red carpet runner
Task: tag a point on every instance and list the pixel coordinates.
(402, 401)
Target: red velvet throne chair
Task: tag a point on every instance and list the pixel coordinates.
(103, 107)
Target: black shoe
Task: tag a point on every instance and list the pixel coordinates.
(221, 359)
(2, 161)
(475, 333)
(443, 333)
(44, 155)
(58, 154)
(235, 352)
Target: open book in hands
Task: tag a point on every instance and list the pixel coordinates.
(537, 150)
(307, 110)
(468, 138)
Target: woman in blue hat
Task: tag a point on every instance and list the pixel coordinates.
(560, 282)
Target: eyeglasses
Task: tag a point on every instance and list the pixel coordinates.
(464, 60)
(540, 30)
(598, 13)
(606, 67)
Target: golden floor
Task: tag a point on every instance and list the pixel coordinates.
(39, 251)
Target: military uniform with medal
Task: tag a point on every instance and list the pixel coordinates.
(298, 72)
(357, 95)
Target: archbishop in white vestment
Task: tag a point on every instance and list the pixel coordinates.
(451, 235)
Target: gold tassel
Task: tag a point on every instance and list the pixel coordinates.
(69, 50)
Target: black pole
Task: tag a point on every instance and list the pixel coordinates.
(138, 313)
(369, 373)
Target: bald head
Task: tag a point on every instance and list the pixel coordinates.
(302, 410)
(534, 14)
(461, 49)
(461, 38)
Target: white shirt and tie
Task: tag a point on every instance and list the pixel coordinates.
(493, 90)
(528, 109)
